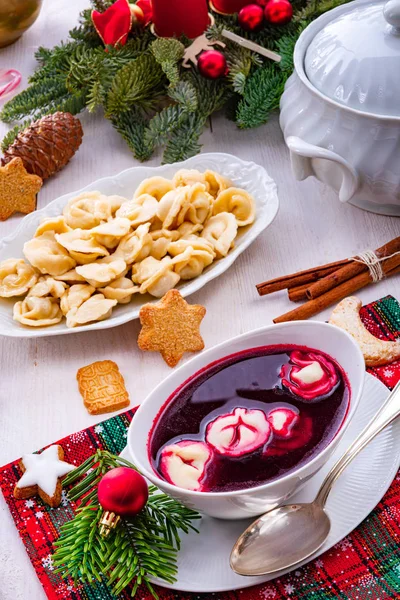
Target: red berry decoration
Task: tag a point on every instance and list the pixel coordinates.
(278, 12)
(251, 17)
(212, 64)
(123, 491)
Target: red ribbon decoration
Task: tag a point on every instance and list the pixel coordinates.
(147, 9)
(114, 24)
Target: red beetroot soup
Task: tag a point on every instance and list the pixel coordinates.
(249, 418)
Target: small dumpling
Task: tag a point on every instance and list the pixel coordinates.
(70, 277)
(56, 224)
(83, 211)
(122, 290)
(154, 186)
(191, 257)
(48, 286)
(189, 177)
(109, 234)
(221, 231)
(81, 245)
(197, 207)
(16, 277)
(37, 312)
(216, 182)
(75, 296)
(155, 276)
(188, 228)
(100, 274)
(135, 246)
(171, 235)
(171, 205)
(96, 308)
(159, 248)
(142, 209)
(47, 255)
(239, 203)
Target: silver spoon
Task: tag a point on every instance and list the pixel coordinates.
(286, 535)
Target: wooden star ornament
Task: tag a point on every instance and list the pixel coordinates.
(18, 189)
(171, 327)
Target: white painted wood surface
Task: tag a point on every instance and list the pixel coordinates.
(39, 399)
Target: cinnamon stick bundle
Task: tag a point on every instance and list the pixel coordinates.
(391, 266)
(349, 271)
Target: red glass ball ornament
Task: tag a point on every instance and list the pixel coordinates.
(251, 17)
(123, 491)
(262, 3)
(212, 64)
(278, 12)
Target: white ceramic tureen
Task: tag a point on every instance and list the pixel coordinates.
(340, 111)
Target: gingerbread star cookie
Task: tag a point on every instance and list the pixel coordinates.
(102, 387)
(18, 189)
(42, 474)
(171, 327)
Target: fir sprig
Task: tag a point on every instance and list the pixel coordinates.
(143, 89)
(141, 548)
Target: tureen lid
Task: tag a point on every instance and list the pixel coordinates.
(355, 58)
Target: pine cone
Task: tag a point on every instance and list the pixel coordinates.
(47, 144)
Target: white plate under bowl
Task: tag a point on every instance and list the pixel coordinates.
(246, 175)
(203, 561)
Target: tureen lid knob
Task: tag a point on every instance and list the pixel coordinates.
(391, 12)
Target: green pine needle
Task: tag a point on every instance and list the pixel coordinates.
(140, 548)
(131, 125)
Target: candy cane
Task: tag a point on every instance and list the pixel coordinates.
(9, 80)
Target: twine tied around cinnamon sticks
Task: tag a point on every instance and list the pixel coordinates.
(327, 284)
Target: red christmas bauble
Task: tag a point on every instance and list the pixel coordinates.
(251, 17)
(212, 64)
(278, 12)
(123, 491)
(262, 3)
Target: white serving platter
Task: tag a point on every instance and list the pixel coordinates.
(244, 174)
(203, 561)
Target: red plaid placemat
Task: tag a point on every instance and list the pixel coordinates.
(363, 566)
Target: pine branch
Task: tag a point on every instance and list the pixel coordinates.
(131, 125)
(34, 99)
(12, 134)
(141, 547)
(184, 93)
(168, 52)
(315, 8)
(139, 83)
(262, 95)
(184, 142)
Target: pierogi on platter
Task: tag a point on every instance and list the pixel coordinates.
(104, 250)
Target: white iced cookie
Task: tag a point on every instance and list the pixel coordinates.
(376, 352)
(100, 274)
(37, 312)
(96, 308)
(43, 470)
(47, 255)
(48, 286)
(197, 207)
(141, 209)
(154, 186)
(135, 246)
(184, 464)
(221, 232)
(309, 374)
(56, 224)
(109, 234)
(216, 182)
(154, 276)
(238, 202)
(75, 296)
(122, 290)
(16, 277)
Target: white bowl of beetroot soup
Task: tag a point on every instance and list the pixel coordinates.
(242, 426)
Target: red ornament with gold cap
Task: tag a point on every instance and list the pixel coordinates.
(122, 492)
(278, 12)
(212, 64)
(251, 17)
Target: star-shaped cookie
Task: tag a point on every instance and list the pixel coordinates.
(42, 475)
(171, 327)
(18, 189)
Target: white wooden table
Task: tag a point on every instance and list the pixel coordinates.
(39, 399)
